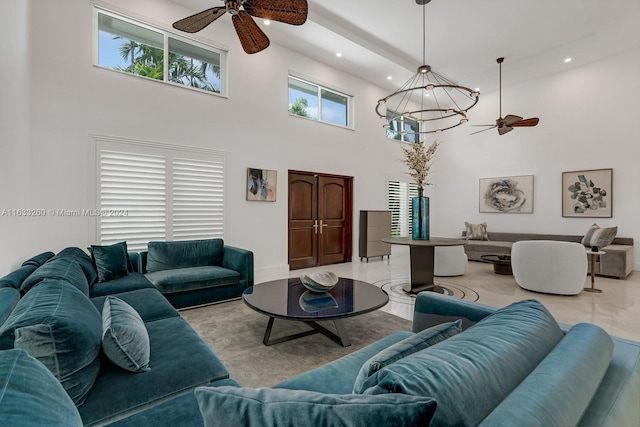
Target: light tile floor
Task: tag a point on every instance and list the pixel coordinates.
(616, 309)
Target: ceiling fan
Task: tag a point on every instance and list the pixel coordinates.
(510, 121)
(252, 38)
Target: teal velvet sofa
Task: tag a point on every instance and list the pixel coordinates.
(514, 366)
(195, 272)
(53, 325)
(465, 364)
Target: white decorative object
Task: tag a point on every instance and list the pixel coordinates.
(320, 281)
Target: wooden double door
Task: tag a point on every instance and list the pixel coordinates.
(320, 219)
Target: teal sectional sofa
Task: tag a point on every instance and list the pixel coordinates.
(55, 317)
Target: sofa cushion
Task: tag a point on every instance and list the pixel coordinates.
(58, 325)
(16, 277)
(576, 365)
(67, 269)
(615, 403)
(188, 253)
(476, 231)
(130, 282)
(409, 345)
(239, 406)
(125, 339)
(111, 261)
(83, 259)
(30, 395)
(39, 259)
(600, 237)
(180, 361)
(470, 373)
(9, 297)
(337, 377)
(148, 303)
(181, 411)
(189, 278)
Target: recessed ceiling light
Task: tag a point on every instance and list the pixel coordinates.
(389, 77)
(267, 22)
(338, 54)
(567, 60)
(477, 89)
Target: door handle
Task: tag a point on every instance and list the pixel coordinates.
(322, 225)
(315, 226)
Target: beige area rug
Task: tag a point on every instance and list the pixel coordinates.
(234, 332)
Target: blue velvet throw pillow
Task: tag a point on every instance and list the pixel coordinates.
(110, 261)
(471, 373)
(238, 406)
(30, 396)
(407, 346)
(125, 340)
(58, 325)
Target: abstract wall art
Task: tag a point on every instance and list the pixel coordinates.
(261, 185)
(511, 194)
(587, 194)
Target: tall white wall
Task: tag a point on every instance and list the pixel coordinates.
(14, 131)
(73, 99)
(582, 127)
(588, 120)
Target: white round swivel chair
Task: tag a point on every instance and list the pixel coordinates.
(449, 261)
(548, 266)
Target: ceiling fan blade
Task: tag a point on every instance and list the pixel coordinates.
(292, 12)
(526, 122)
(492, 127)
(195, 23)
(510, 119)
(504, 129)
(252, 38)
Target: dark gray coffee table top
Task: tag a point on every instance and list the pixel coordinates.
(289, 299)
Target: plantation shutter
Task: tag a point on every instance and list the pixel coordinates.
(132, 198)
(198, 199)
(158, 192)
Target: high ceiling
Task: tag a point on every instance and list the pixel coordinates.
(381, 38)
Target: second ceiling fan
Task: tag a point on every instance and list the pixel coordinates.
(510, 121)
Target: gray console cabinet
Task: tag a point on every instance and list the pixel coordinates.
(374, 225)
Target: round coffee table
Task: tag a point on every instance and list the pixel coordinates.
(500, 265)
(288, 299)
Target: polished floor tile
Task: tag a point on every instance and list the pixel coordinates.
(616, 309)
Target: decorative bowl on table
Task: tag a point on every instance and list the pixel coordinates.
(320, 281)
(504, 257)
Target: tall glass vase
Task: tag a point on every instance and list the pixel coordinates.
(420, 217)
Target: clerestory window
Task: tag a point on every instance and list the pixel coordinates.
(133, 47)
(313, 101)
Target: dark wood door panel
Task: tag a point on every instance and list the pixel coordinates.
(320, 210)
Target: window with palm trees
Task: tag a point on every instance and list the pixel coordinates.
(319, 103)
(139, 49)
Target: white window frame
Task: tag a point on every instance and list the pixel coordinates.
(401, 118)
(320, 87)
(166, 33)
(169, 153)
